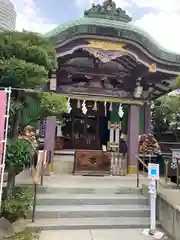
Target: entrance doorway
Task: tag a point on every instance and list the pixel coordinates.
(86, 131)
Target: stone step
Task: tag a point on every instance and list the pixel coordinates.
(86, 190)
(88, 199)
(88, 223)
(92, 211)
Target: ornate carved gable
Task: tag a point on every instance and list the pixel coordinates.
(108, 10)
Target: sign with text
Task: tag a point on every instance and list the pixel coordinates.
(153, 171)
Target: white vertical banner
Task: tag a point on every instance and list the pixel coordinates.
(111, 135)
(117, 132)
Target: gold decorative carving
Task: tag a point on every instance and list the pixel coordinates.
(106, 45)
(153, 68)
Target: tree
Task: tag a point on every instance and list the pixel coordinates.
(166, 115)
(52, 104)
(19, 153)
(26, 61)
(41, 106)
(177, 83)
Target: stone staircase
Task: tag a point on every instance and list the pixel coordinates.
(90, 208)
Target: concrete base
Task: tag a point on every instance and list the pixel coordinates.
(63, 164)
(157, 234)
(132, 169)
(104, 234)
(168, 211)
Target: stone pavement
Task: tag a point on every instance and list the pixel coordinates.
(71, 181)
(169, 190)
(104, 234)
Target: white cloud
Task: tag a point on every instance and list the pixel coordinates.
(29, 17)
(162, 5)
(163, 27)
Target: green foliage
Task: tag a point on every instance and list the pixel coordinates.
(26, 61)
(18, 205)
(21, 236)
(18, 154)
(21, 74)
(177, 83)
(166, 115)
(29, 47)
(42, 106)
(53, 104)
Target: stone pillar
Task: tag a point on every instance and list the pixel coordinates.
(147, 118)
(133, 137)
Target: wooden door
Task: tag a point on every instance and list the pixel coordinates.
(85, 133)
(79, 133)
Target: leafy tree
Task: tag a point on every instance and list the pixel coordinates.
(166, 115)
(26, 62)
(177, 83)
(52, 104)
(44, 105)
(18, 154)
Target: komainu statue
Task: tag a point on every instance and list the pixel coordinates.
(148, 145)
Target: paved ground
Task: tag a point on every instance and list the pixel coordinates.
(170, 191)
(113, 234)
(65, 181)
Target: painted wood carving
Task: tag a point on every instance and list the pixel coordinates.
(92, 162)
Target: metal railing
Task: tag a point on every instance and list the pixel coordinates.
(145, 166)
(171, 167)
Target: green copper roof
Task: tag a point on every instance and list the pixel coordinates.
(118, 25)
(99, 22)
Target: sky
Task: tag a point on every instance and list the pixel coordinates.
(160, 18)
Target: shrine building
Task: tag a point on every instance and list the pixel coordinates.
(110, 70)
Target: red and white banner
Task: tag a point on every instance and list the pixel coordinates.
(3, 100)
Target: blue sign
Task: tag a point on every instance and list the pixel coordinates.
(153, 172)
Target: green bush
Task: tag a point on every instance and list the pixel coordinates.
(22, 236)
(19, 153)
(18, 205)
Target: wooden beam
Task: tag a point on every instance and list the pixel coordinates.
(104, 99)
(94, 71)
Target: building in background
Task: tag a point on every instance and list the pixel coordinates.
(110, 71)
(7, 16)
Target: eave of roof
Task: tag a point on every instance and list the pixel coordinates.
(137, 34)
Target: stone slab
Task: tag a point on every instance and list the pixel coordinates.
(115, 234)
(66, 235)
(104, 234)
(88, 223)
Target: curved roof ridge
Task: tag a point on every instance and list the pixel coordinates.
(109, 23)
(61, 26)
